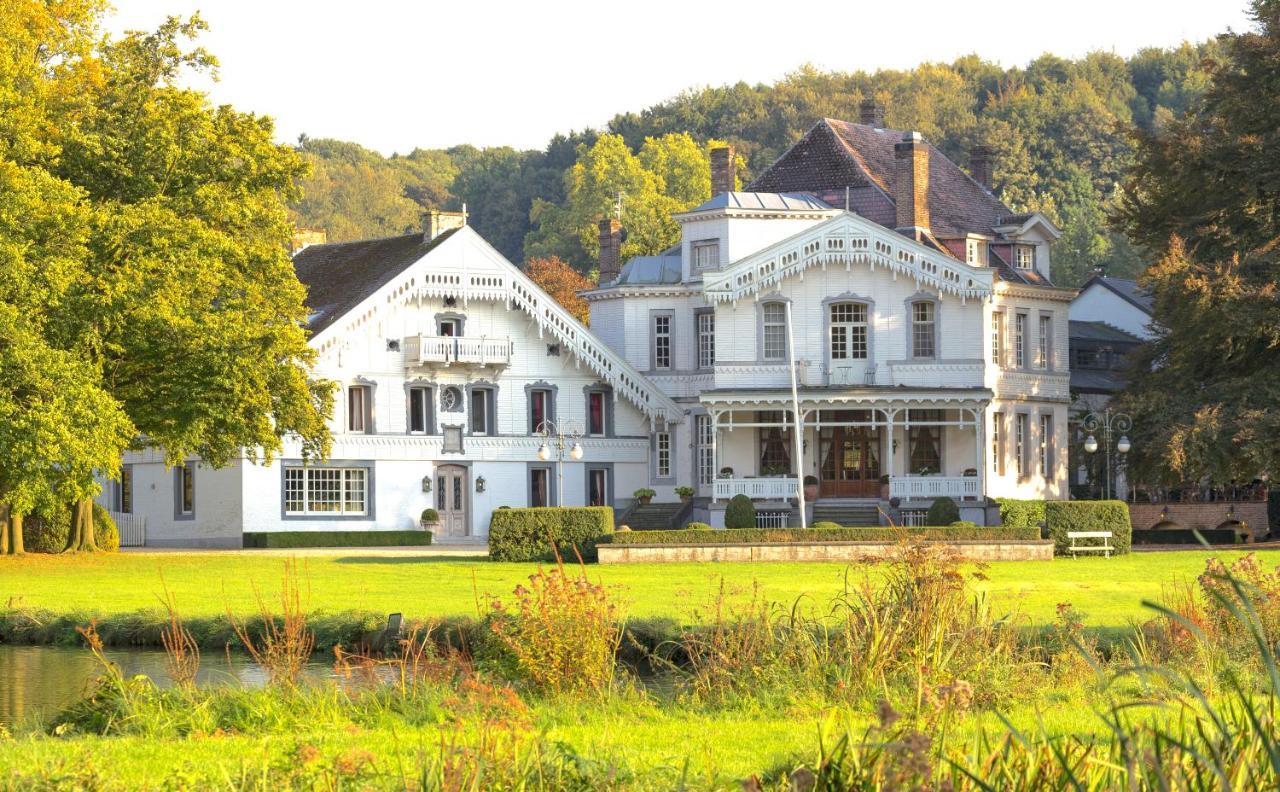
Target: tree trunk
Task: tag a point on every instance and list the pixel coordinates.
(11, 528)
(4, 529)
(80, 537)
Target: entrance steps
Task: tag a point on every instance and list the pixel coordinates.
(654, 517)
(848, 513)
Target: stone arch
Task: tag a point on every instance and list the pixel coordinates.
(1166, 525)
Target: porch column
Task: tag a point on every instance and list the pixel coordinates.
(888, 449)
(980, 440)
(714, 417)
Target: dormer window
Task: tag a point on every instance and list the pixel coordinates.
(451, 327)
(976, 252)
(705, 254)
(1024, 256)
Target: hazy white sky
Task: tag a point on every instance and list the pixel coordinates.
(398, 75)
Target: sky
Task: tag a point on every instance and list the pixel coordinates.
(395, 76)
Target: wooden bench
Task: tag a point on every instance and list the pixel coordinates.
(1076, 547)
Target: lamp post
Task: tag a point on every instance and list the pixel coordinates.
(1108, 423)
(562, 438)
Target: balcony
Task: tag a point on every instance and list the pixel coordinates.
(426, 350)
(757, 488)
(926, 487)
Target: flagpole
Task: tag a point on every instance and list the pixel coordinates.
(797, 440)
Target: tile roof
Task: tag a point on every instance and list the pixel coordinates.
(1126, 289)
(837, 154)
(339, 276)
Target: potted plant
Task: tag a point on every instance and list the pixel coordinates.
(429, 520)
(810, 488)
(685, 493)
(726, 472)
(884, 488)
(644, 495)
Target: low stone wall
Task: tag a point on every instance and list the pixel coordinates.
(812, 551)
(1215, 514)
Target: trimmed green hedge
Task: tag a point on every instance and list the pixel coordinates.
(740, 513)
(1062, 517)
(527, 534)
(758, 535)
(265, 539)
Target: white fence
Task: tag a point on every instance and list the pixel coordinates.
(757, 488)
(458, 349)
(132, 527)
(913, 487)
(772, 519)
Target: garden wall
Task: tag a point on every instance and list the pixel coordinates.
(1200, 515)
(991, 550)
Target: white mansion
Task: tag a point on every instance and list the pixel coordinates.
(928, 344)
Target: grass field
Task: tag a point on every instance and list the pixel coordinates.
(1109, 591)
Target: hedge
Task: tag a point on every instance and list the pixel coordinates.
(527, 534)
(1062, 517)
(1021, 513)
(265, 539)
(1181, 536)
(1273, 509)
(759, 535)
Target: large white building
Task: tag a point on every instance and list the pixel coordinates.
(928, 344)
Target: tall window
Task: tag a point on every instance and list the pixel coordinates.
(997, 337)
(1025, 256)
(662, 457)
(662, 341)
(706, 254)
(997, 443)
(925, 442)
(540, 486)
(1046, 335)
(358, 408)
(706, 449)
(598, 487)
(706, 340)
(848, 331)
(124, 493)
(186, 490)
(1020, 340)
(1046, 446)
(775, 444)
(420, 410)
(976, 252)
(596, 423)
(923, 319)
(482, 420)
(326, 491)
(539, 409)
(774, 331)
(1020, 444)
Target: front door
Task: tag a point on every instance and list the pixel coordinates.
(451, 499)
(850, 457)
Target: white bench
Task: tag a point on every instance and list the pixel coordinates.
(1076, 547)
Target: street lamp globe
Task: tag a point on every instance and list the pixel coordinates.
(544, 452)
(1090, 444)
(575, 453)
(1123, 446)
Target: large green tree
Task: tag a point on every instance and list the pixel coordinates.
(1206, 190)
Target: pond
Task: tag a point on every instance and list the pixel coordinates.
(39, 680)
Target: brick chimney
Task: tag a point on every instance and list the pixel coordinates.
(980, 165)
(872, 113)
(724, 174)
(610, 250)
(911, 183)
(436, 222)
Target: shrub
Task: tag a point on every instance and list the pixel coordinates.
(528, 534)
(684, 492)
(740, 513)
(105, 532)
(825, 525)
(1273, 509)
(413, 536)
(963, 524)
(429, 516)
(1063, 517)
(823, 534)
(698, 526)
(47, 533)
(1021, 513)
(811, 481)
(944, 511)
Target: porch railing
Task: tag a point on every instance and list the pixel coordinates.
(132, 528)
(458, 349)
(772, 519)
(912, 487)
(757, 488)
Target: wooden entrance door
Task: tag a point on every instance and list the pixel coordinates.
(451, 500)
(850, 459)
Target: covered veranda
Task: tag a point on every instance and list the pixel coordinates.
(859, 443)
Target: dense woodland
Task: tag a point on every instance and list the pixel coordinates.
(1063, 132)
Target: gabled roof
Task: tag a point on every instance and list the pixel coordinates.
(1128, 290)
(650, 271)
(836, 154)
(1100, 332)
(340, 276)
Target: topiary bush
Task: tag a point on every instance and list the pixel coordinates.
(1021, 513)
(944, 511)
(527, 534)
(1066, 516)
(740, 513)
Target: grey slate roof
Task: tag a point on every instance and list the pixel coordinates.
(339, 276)
(650, 271)
(1126, 289)
(763, 200)
(1096, 380)
(1100, 331)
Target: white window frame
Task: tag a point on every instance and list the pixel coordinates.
(706, 322)
(773, 331)
(420, 395)
(485, 397)
(1020, 340)
(705, 435)
(997, 338)
(662, 455)
(662, 347)
(848, 335)
(997, 443)
(338, 481)
(604, 414)
(975, 252)
(186, 489)
(924, 328)
(1045, 349)
(1021, 426)
(603, 472)
(124, 490)
(1024, 256)
(358, 409)
(704, 254)
(1046, 445)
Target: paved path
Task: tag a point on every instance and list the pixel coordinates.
(476, 550)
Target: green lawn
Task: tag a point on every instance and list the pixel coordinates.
(1108, 591)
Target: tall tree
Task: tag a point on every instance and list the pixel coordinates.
(563, 283)
(1206, 189)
